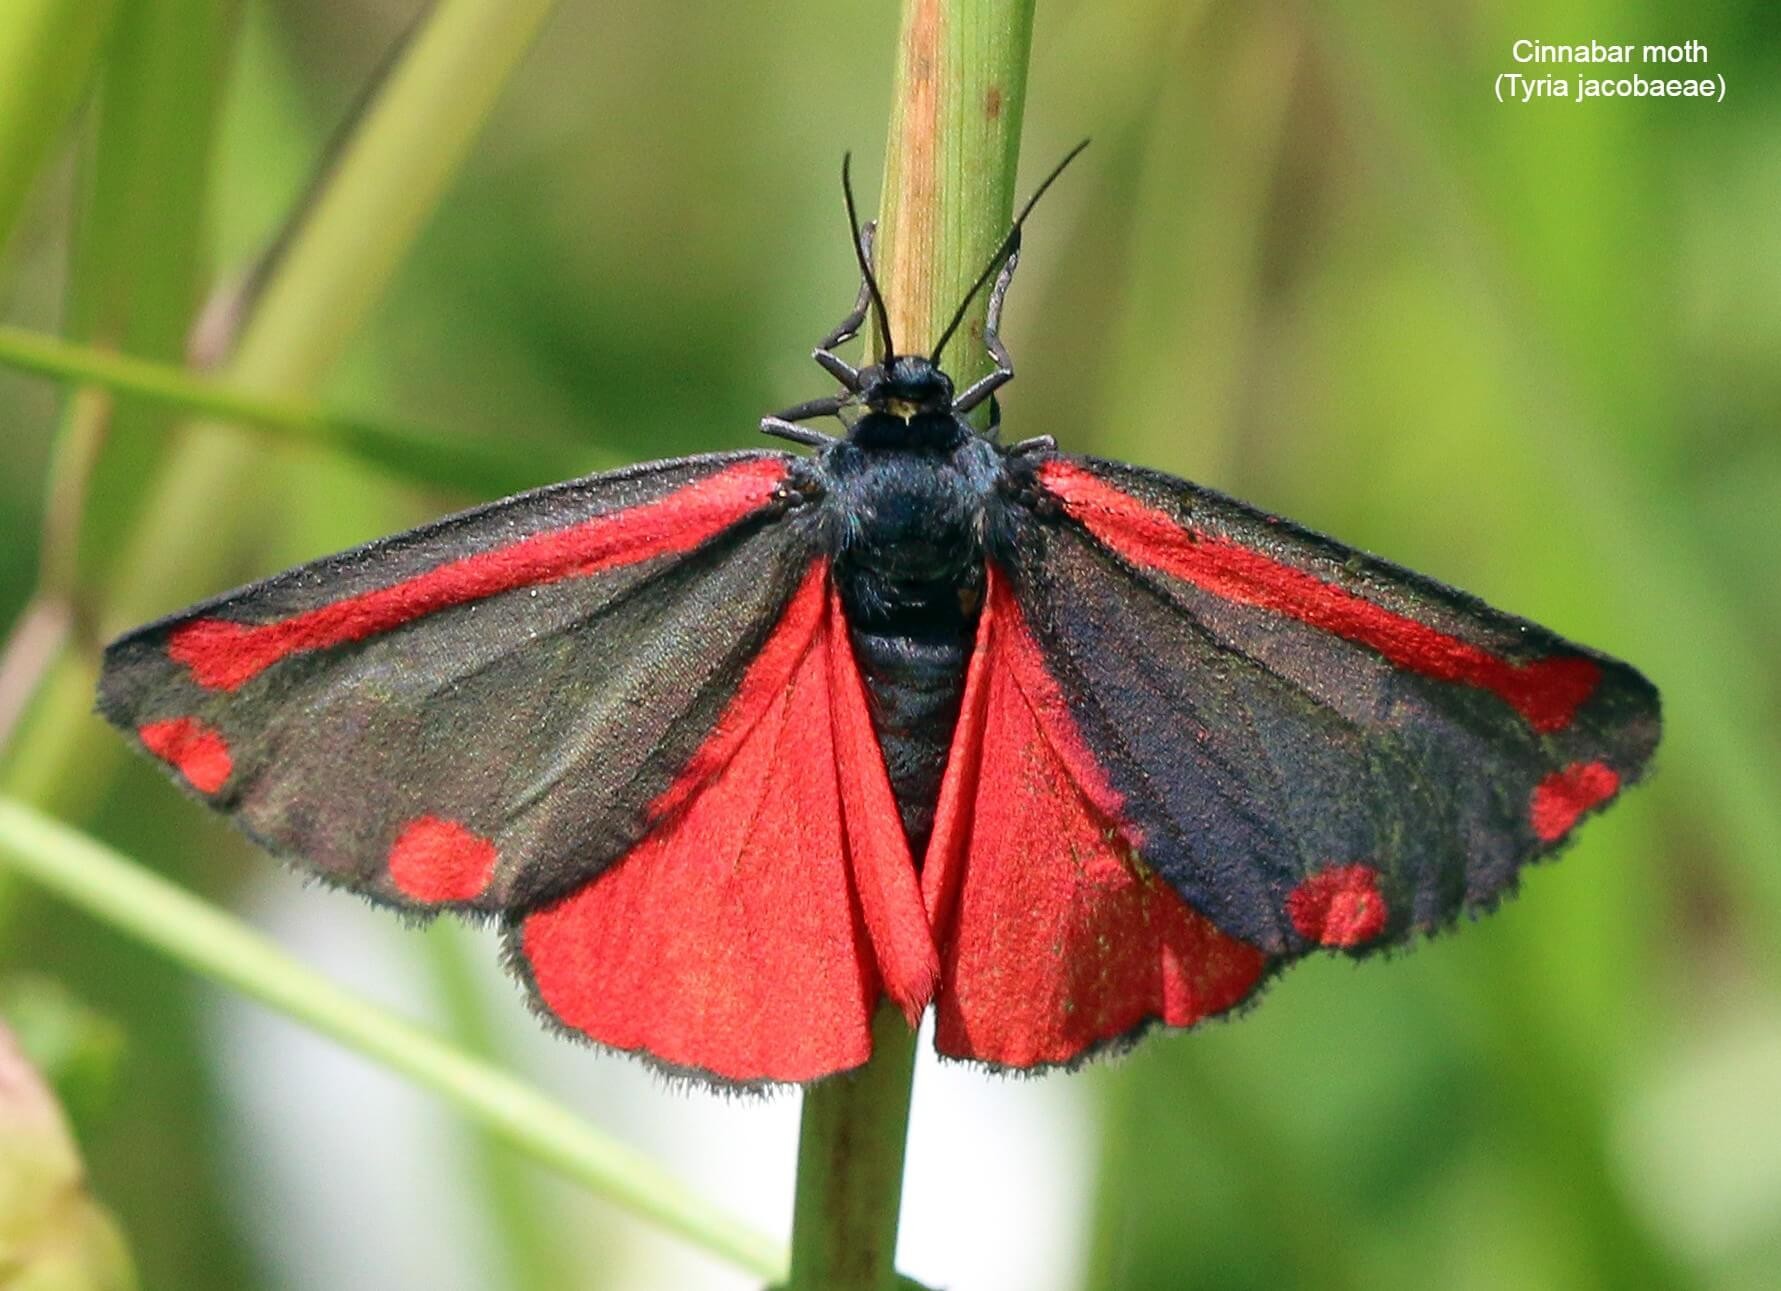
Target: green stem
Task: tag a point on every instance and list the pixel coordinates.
(134, 262)
(850, 1168)
(531, 1249)
(409, 452)
(949, 172)
(72, 459)
(385, 184)
(210, 941)
(54, 613)
(948, 197)
(48, 49)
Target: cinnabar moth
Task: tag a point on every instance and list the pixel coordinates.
(735, 746)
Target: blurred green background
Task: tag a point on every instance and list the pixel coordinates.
(1310, 260)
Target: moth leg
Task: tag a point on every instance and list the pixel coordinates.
(849, 327)
(992, 430)
(797, 434)
(984, 387)
(827, 406)
(784, 425)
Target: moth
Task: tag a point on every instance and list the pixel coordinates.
(734, 747)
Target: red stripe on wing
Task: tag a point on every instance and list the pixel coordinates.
(1055, 936)
(224, 655)
(750, 933)
(1547, 692)
(767, 677)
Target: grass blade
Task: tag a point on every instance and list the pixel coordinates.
(212, 942)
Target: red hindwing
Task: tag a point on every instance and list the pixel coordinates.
(1055, 937)
(751, 932)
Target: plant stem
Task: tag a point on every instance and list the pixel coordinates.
(949, 172)
(33, 644)
(948, 197)
(531, 1249)
(850, 1168)
(412, 453)
(385, 184)
(134, 262)
(54, 613)
(358, 231)
(128, 897)
(48, 49)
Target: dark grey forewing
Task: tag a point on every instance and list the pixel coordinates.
(1254, 751)
(543, 719)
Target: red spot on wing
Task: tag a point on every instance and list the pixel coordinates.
(1562, 797)
(197, 751)
(751, 932)
(224, 655)
(1547, 692)
(1339, 906)
(434, 860)
(1054, 935)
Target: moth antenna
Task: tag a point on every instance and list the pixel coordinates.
(1003, 251)
(859, 253)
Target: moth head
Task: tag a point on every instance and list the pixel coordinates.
(906, 386)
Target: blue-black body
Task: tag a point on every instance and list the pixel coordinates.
(911, 501)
